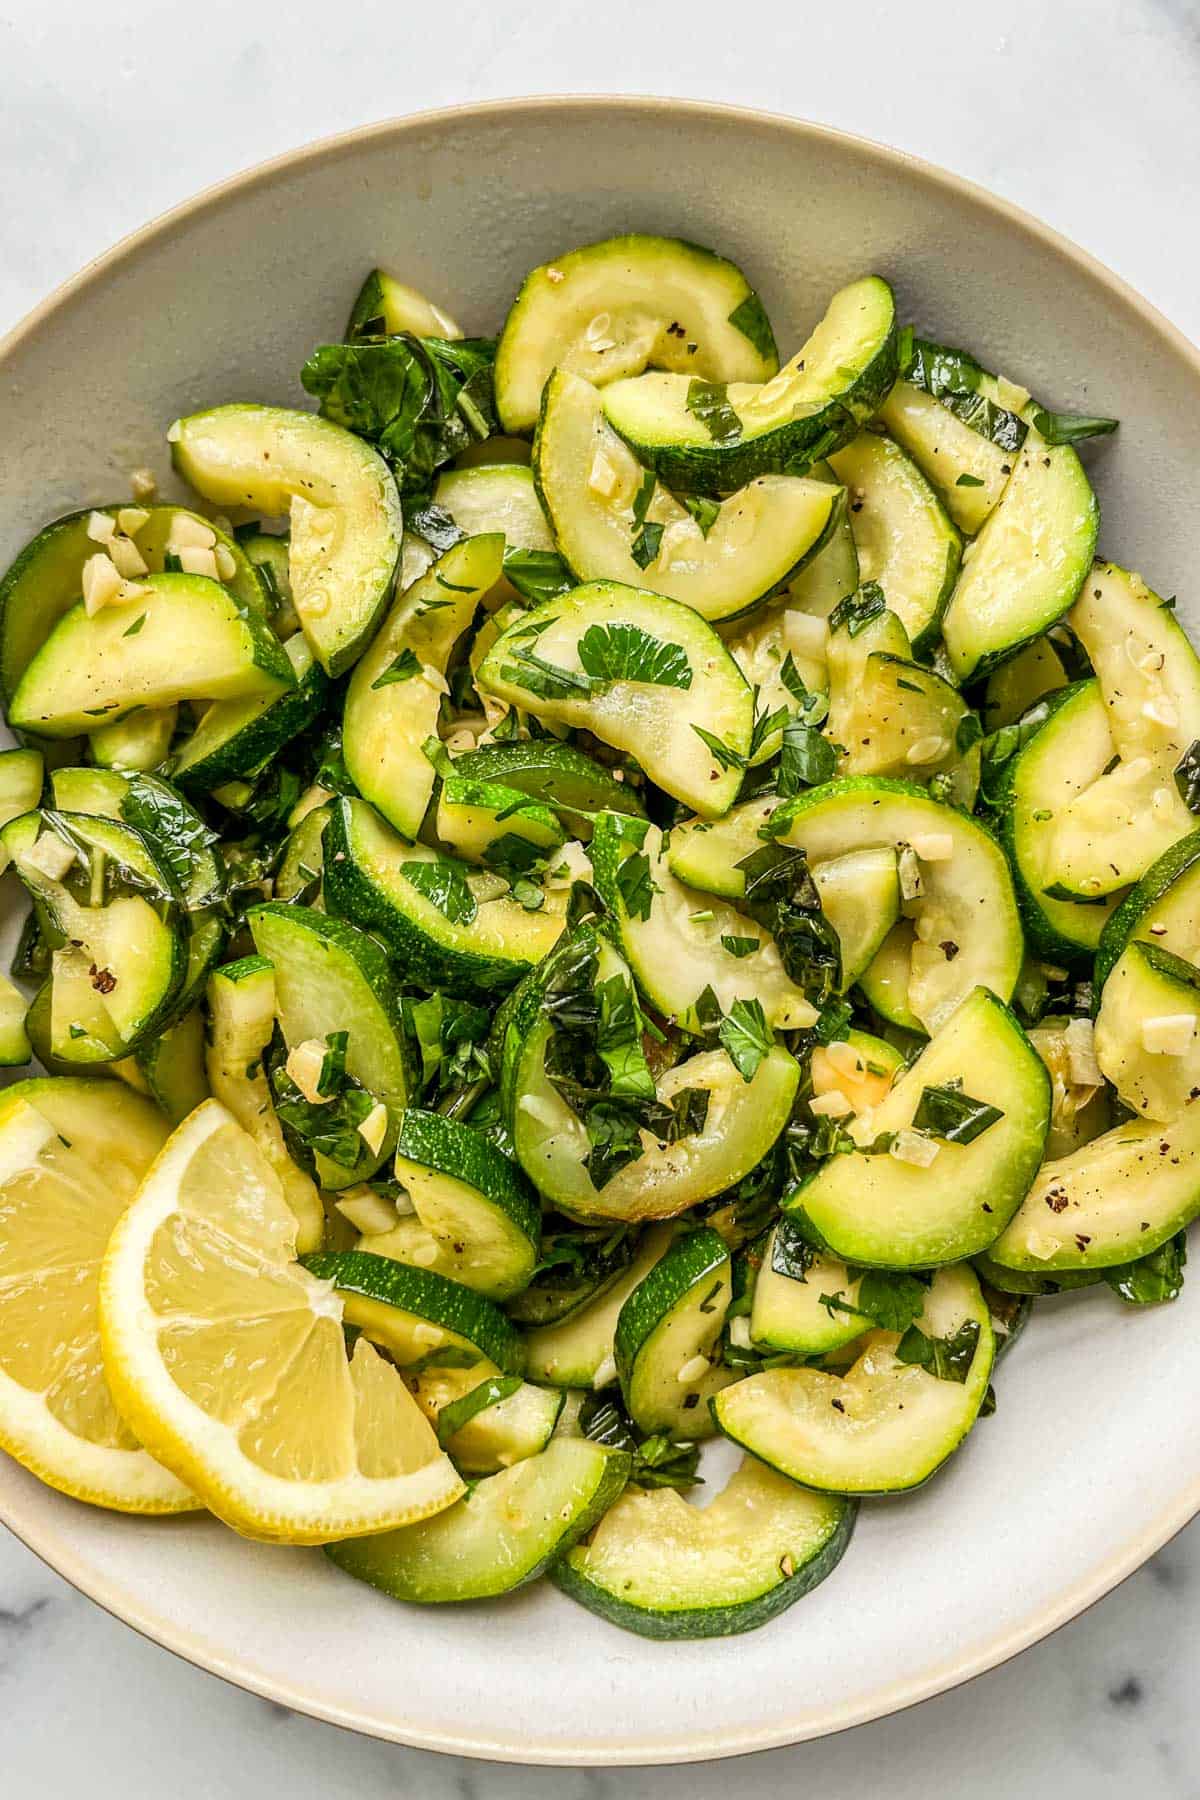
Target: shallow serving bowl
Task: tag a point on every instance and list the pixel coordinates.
(1093, 1459)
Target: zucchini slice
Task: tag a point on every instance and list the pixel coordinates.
(241, 1013)
(477, 1219)
(965, 898)
(498, 827)
(395, 694)
(341, 499)
(15, 1048)
(792, 1310)
(1117, 1198)
(1146, 1041)
(608, 527)
(330, 977)
(644, 674)
(172, 1066)
(969, 471)
(419, 1317)
(1062, 757)
(46, 580)
(557, 775)
(888, 1423)
(664, 1569)
(878, 1211)
(578, 1351)
(1149, 675)
(860, 896)
(1163, 909)
(905, 539)
(1015, 686)
(1028, 563)
(140, 741)
(496, 497)
(904, 720)
(712, 435)
(22, 776)
(423, 907)
(385, 307)
(630, 303)
(668, 1334)
(91, 668)
(563, 1287)
(119, 942)
(680, 943)
(510, 1530)
(487, 1422)
(237, 739)
(742, 1122)
(832, 572)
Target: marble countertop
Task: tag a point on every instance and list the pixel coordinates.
(1086, 113)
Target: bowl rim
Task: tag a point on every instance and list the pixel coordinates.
(42, 1538)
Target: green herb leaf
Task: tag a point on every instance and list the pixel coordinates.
(444, 884)
(132, 630)
(1153, 1278)
(750, 318)
(746, 1037)
(791, 1253)
(1187, 776)
(724, 755)
(1071, 428)
(708, 402)
(948, 1113)
(460, 1412)
(949, 1358)
(537, 575)
(740, 946)
(622, 652)
(176, 833)
(402, 668)
(636, 886)
(703, 510)
(856, 611)
(971, 481)
(807, 758)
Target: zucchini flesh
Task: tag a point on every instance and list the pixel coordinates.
(138, 742)
(667, 1334)
(946, 449)
(894, 1423)
(876, 1211)
(592, 488)
(237, 739)
(1028, 563)
(93, 669)
(395, 694)
(499, 1434)
(834, 383)
(339, 495)
(1115, 1199)
(612, 309)
(904, 537)
(512, 1527)
(860, 896)
(653, 719)
(1146, 1031)
(1163, 909)
(664, 1569)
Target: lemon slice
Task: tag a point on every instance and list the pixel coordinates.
(229, 1359)
(72, 1152)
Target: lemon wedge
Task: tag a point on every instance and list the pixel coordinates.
(72, 1152)
(229, 1359)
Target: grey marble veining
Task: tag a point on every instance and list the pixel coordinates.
(1086, 112)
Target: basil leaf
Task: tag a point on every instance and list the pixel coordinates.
(401, 668)
(971, 481)
(1071, 428)
(690, 1107)
(1187, 776)
(891, 1298)
(658, 1461)
(537, 575)
(546, 680)
(780, 894)
(1153, 1278)
(968, 732)
(708, 402)
(948, 1113)
(806, 760)
(444, 884)
(619, 1039)
(750, 318)
(433, 523)
(724, 755)
(329, 1127)
(740, 946)
(949, 1358)
(622, 652)
(460, 1412)
(636, 886)
(746, 1037)
(702, 509)
(176, 833)
(791, 1253)
(856, 611)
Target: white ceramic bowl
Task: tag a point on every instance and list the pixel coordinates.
(1093, 1459)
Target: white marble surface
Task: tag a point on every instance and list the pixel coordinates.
(1085, 111)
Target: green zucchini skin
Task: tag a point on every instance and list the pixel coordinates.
(433, 1297)
(689, 1623)
(1172, 871)
(251, 744)
(695, 1272)
(380, 903)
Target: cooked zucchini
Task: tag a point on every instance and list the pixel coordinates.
(630, 303)
(238, 739)
(613, 522)
(667, 1336)
(711, 435)
(341, 500)
(904, 538)
(1146, 1042)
